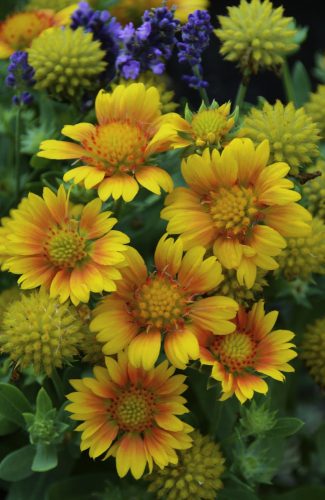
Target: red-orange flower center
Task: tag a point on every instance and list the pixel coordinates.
(116, 146)
(20, 29)
(65, 247)
(235, 351)
(133, 409)
(160, 302)
(233, 209)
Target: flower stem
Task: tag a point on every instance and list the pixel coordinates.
(241, 93)
(287, 82)
(202, 91)
(58, 386)
(17, 153)
(117, 207)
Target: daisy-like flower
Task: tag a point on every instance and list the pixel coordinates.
(72, 255)
(238, 205)
(253, 350)
(19, 30)
(165, 303)
(116, 152)
(131, 413)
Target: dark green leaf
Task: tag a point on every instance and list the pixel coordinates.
(18, 464)
(7, 426)
(302, 493)
(46, 458)
(286, 426)
(77, 487)
(301, 84)
(320, 446)
(13, 403)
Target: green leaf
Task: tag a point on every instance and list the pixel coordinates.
(43, 403)
(18, 464)
(301, 83)
(13, 403)
(320, 446)
(286, 426)
(238, 493)
(7, 427)
(77, 487)
(46, 457)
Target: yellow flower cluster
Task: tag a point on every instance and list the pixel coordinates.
(315, 108)
(313, 350)
(314, 191)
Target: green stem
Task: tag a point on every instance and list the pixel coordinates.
(241, 94)
(117, 207)
(17, 153)
(202, 91)
(287, 82)
(58, 385)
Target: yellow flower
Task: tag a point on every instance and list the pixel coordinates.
(130, 10)
(242, 359)
(305, 255)
(239, 206)
(292, 135)
(315, 107)
(19, 30)
(197, 474)
(206, 128)
(39, 331)
(256, 35)
(66, 61)
(162, 84)
(71, 256)
(313, 350)
(131, 413)
(313, 191)
(166, 303)
(116, 152)
(6, 297)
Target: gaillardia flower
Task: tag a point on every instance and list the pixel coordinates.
(315, 108)
(196, 475)
(72, 256)
(72, 67)
(238, 205)
(116, 152)
(40, 332)
(292, 134)
(129, 10)
(256, 35)
(305, 255)
(19, 30)
(206, 128)
(313, 350)
(241, 360)
(131, 413)
(165, 303)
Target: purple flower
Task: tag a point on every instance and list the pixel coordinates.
(195, 36)
(150, 46)
(20, 77)
(104, 28)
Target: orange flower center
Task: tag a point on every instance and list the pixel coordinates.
(160, 302)
(116, 146)
(209, 126)
(233, 209)
(235, 351)
(133, 409)
(65, 247)
(19, 30)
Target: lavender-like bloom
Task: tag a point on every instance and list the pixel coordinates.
(150, 46)
(195, 36)
(104, 28)
(20, 76)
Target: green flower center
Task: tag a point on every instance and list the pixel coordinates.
(233, 209)
(209, 126)
(159, 302)
(133, 409)
(235, 351)
(65, 248)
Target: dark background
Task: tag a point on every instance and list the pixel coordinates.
(224, 77)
